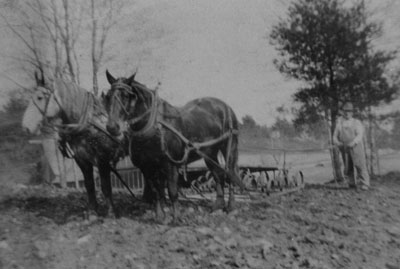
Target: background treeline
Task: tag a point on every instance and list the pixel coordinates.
(13, 141)
(288, 134)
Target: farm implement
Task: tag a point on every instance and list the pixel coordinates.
(261, 182)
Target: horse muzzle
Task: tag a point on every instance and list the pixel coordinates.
(115, 130)
(32, 131)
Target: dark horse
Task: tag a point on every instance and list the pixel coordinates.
(78, 117)
(163, 138)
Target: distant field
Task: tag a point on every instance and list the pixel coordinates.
(316, 166)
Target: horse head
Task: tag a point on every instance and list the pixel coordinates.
(126, 101)
(42, 106)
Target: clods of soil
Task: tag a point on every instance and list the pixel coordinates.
(321, 226)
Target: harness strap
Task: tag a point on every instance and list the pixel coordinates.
(139, 118)
(122, 85)
(153, 116)
(114, 170)
(100, 128)
(84, 119)
(121, 104)
(196, 146)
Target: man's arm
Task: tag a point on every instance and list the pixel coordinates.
(335, 137)
(359, 129)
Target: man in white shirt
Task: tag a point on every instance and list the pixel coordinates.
(348, 136)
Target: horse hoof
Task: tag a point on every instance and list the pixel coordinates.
(230, 207)
(90, 214)
(115, 213)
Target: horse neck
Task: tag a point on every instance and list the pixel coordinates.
(169, 111)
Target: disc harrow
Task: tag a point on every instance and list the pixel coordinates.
(261, 183)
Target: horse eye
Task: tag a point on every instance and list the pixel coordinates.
(40, 98)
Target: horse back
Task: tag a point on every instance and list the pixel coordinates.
(207, 117)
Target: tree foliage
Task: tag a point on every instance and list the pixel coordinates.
(285, 128)
(248, 122)
(328, 46)
(11, 117)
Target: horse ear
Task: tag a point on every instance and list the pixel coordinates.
(110, 78)
(131, 78)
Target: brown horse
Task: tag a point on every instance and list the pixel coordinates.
(77, 115)
(164, 138)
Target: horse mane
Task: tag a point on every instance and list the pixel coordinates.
(78, 104)
(136, 84)
(168, 110)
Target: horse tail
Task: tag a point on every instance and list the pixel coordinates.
(232, 158)
(232, 151)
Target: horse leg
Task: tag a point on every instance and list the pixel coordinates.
(172, 178)
(231, 159)
(87, 171)
(149, 196)
(160, 197)
(153, 182)
(219, 182)
(104, 172)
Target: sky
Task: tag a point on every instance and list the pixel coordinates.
(201, 48)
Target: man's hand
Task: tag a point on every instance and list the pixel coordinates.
(352, 144)
(338, 144)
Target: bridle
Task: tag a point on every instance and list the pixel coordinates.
(48, 94)
(152, 109)
(119, 85)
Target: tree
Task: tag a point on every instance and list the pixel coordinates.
(285, 128)
(282, 124)
(10, 123)
(327, 45)
(396, 131)
(49, 31)
(104, 15)
(17, 103)
(248, 122)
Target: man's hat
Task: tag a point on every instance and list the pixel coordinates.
(348, 107)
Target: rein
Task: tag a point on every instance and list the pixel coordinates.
(151, 123)
(189, 146)
(152, 110)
